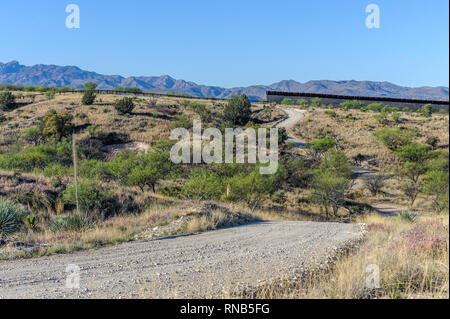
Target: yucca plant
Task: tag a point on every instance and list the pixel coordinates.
(31, 222)
(10, 217)
(407, 216)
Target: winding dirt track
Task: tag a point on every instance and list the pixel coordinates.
(214, 264)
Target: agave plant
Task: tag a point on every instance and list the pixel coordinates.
(11, 216)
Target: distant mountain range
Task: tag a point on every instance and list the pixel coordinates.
(58, 76)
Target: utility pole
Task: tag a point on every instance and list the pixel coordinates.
(75, 169)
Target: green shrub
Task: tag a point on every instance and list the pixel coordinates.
(252, 188)
(381, 118)
(406, 216)
(237, 111)
(287, 101)
(336, 162)
(32, 135)
(182, 121)
(11, 216)
(7, 101)
(56, 126)
(316, 102)
(124, 106)
(204, 186)
(72, 222)
(321, 146)
(394, 139)
(92, 197)
(50, 94)
(302, 102)
(331, 113)
(352, 104)
(89, 95)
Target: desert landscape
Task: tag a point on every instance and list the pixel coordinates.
(365, 180)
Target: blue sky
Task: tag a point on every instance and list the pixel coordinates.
(235, 43)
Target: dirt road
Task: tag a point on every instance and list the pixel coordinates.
(205, 265)
(294, 116)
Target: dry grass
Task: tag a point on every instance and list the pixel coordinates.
(355, 134)
(412, 258)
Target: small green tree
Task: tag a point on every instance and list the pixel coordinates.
(57, 125)
(426, 110)
(302, 102)
(414, 159)
(150, 169)
(89, 94)
(316, 102)
(336, 162)
(319, 147)
(7, 101)
(433, 142)
(124, 106)
(237, 111)
(329, 190)
(50, 94)
(436, 185)
(32, 135)
(287, 101)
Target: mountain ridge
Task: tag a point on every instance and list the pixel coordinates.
(53, 75)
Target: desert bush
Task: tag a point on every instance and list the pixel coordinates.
(92, 196)
(149, 169)
(433, 141)
(319, 147)
(328, 190)
(394, 139)
(302, 102)
(352, 104)
(182, 121)
(287, 101)
(414, 159)
(32, 135)
(316, 102)
(374, 183)
(426, 110)
(237, 111)
(204, 186)
(436, 185)
(50, 94)
(252, 188)
(11, 216)
(336, 162)
(7, 101)
(331, 113)
(56, 126)
(124, 106)
(202, 110)
(89, 94)
(374, 107)
(396, 117)
(72, 222)
(381, 118)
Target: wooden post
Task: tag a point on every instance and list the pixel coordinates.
(75, 169)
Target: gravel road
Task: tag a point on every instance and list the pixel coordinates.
(294, 116)
(210, 264)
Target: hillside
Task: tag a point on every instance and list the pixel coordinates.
(52, 75)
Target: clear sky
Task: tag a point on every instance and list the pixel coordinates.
(235, 43)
